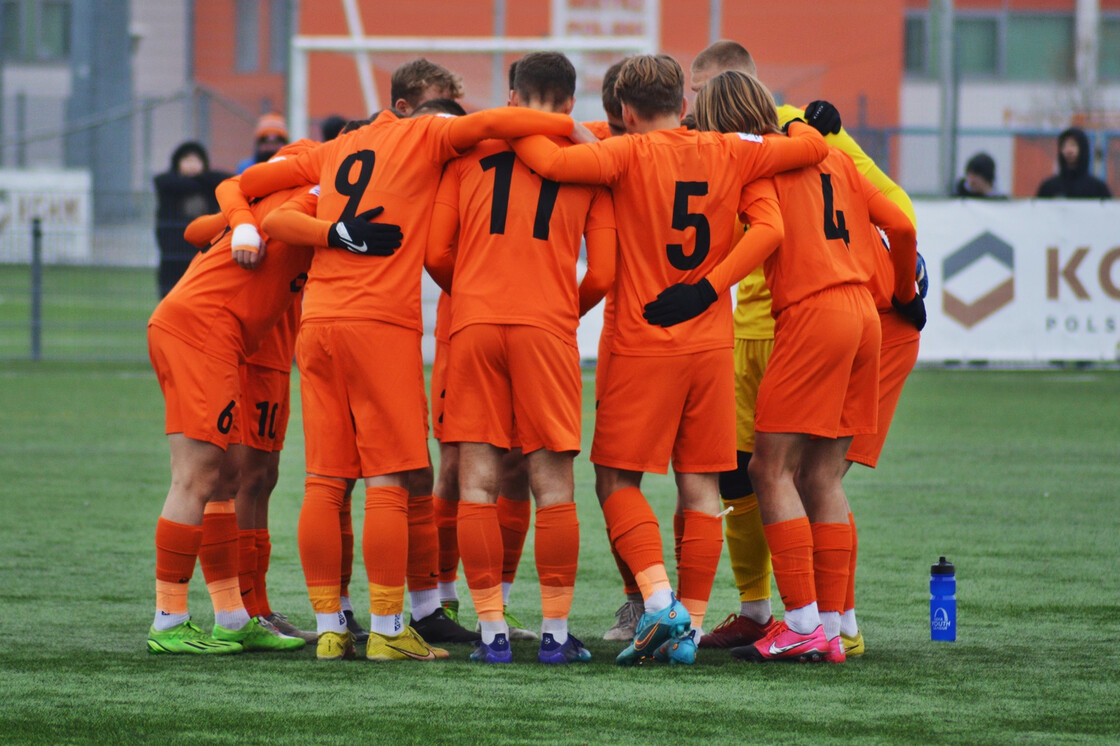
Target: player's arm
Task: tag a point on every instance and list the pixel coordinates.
(247, 246)
(439, 257)
(201, 231)
(283, 173)
(591, 163)
(293, 224)
(903, 252)
(505, 123)
(684, 301)
(602, 251)
(775, 154)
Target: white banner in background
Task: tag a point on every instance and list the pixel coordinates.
(62, 198)
(1030, 280)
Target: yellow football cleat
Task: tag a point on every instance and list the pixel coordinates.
(335, 646)
(406, 646)
(853, 646)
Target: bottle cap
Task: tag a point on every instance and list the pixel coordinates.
(943, 567)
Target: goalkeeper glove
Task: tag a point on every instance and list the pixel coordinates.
(921, 277)
(914, 311)
(823, 117)
(680, 302)
(359, 235)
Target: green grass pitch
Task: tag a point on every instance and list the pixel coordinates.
(1011, 474)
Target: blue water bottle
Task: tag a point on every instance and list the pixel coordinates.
(943, 602)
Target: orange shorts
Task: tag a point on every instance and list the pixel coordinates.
(200, 391)
(362, 389)
(501, 374)
(823, 376)
(265, 406)
(601, 365)
(896, 360)
(439, 386)
(678, 407)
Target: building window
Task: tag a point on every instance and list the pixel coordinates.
(1109, 49)
(247, 36)
(35, 30)
(977, 41)
(915, 45)
(1040, 47)
(279, 34)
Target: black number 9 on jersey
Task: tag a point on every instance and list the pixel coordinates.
(683, 219)
(356, 188)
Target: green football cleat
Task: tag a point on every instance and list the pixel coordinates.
(187, 638)
(258, 634)
(517, 630)
(451, 610)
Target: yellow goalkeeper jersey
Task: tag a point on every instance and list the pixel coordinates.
(752, 299)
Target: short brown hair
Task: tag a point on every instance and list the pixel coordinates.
(726, 55)
(611, 105)
(411, 79)
(547, 76)
(734, 102)
(651, 85)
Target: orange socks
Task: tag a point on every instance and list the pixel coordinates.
(513, 518)
(791, 552)
(422, 544)
(850, 595)
(700, 546)
(678, 537)
(264, 557)
(557, 555)
(320, 548)
(385, 550)
(480, 540)
(177, 546)
(218, 556)
(634, 533)
(346, 523)
(832, 549)
(629, 584)
(247, 569)
(446, 512)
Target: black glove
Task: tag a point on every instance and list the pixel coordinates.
(823, 117)
(359, 235)
(921, 277)
(680, 302)
(914, 311)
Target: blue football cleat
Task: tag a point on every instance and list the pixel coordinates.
(678, 650)
(496, 652)
(572, 651)
(653, 629)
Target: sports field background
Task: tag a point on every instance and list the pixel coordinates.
(1011, 474)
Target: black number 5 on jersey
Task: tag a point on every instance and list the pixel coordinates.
(683, 219)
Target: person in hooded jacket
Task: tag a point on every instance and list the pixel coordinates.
(183, 193)
(1073, 179)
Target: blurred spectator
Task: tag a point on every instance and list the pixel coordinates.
(1073, 178)
(182, 194)
(331, 127)
(271, 135)
(979, 178)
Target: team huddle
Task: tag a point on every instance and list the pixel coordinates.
(319, 254)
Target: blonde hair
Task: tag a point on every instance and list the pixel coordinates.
(725, 55)
(735, 102)
(651, 85)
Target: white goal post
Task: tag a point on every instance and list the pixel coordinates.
(579, 29)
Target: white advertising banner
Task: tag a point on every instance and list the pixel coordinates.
(61, 198)
(1023, 280)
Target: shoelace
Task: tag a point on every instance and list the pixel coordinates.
(728, 622)
(628, 613)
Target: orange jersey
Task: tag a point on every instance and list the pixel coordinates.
(278, 348)
(601, 129)
(678, 193)
(443, 318)
(396, 164)
(519, 240)
(225, 310)
(829, 237)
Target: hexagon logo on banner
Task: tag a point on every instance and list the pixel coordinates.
(986, 266)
